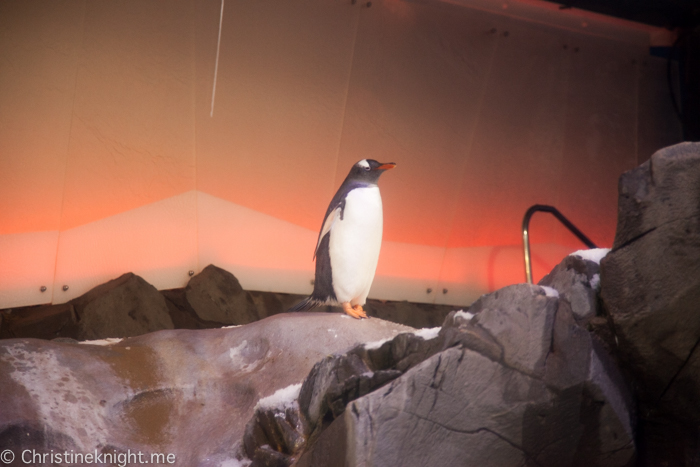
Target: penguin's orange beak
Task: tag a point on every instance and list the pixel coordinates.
(387, 166)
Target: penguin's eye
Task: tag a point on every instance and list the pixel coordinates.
(366, 167)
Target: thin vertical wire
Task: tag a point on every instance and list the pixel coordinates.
(216, 66)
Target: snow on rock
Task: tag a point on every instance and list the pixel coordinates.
(428, 333)
(464, 315)
(376, 344)
(281, 398)
(425, 333)
(595, 254)
(108, 341)
(235, 463)
(550, 292)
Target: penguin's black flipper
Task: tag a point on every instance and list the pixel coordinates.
(305, 305)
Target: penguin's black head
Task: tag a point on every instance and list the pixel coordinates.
(369, 170)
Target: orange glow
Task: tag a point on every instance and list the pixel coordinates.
(111, 160)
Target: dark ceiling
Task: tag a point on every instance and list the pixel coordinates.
(664, 13)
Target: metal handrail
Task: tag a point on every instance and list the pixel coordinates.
(526, 233)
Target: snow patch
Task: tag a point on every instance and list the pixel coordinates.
(242, 359)
(235, 352)
(464, 315)
(428, 333)
(282, 398)
(595, 254)
(550, 292)
(375, 344)
(236, 463)
(425, 333)
(107, 341)
(595, 282)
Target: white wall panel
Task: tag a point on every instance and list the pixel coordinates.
(157, 242)
(516, 155)
(406, 271)
(600, 138)
(39, 51)
(27, 262)
(132, 135)
(418, 74)
(468, 273)
(263, 252)
(271, 143)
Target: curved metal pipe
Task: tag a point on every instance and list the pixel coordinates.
(526, 234)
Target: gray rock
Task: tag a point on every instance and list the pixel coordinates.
(650, 282)
(184, 392)
(576, 280)
(416, 315)
(660, 191)
(216, 296)
(330, 449)
(519, 383)
(521, 320)
(123, 307)
(182, 313)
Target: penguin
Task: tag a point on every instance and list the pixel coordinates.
(348, 244)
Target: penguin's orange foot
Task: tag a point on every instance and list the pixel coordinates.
(348, 309)
(358, 309)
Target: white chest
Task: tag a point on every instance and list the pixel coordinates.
(355, 242)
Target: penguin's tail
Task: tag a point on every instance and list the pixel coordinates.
(307, 304)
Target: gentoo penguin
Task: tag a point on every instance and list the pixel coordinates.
(348, 245)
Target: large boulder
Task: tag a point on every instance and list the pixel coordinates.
(651, 279)
(216, 295)
(123, 307)
(181, 392)
(518, 382)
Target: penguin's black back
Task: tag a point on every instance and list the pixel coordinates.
(323, 284)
